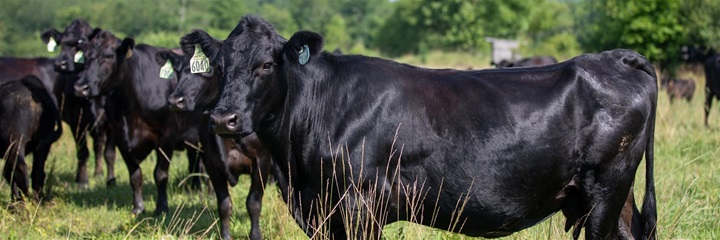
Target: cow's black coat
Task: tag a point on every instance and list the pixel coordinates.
(225, 159)
(83, 115)
(528, 62)
(137, 108)
(31, 123)
(483, 153)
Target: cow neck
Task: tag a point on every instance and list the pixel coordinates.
(140, 84)
(47, 74)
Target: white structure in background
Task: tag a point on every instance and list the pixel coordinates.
(503, 49)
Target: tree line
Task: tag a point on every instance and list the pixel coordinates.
(562, 28)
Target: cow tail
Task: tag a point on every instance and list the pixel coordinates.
(649, 208)
(48, 105)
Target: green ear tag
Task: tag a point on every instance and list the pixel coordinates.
(304, 55)
(79, 57)
(166, 71)
(51, 45)
(199, 63)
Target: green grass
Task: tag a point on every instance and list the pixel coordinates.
(686, 174)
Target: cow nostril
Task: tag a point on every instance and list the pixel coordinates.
(231, 120)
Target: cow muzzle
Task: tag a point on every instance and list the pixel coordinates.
(224, 124)
(177, 103)
(82, 89)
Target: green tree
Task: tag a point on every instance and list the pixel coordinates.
(701, 19)
(335, 34)
(650, 27)
(451, 24)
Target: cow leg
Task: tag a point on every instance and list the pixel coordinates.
(215, 168)
(193, 168)
(630, 224)
(708, 104)
(83, 153)
(110, 158)
(253, 203)
(164, 155)
(15, 173)
(136, 180)
(38, 170)
(99, 142)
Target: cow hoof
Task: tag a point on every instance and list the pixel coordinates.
(226, 236)
(98, 174)
(111, 182)
(161, 211)
(137, 211)
(83, 186)
(255, 235)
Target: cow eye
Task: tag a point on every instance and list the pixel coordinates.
(267, 66)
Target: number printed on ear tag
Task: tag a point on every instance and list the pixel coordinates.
(199, 63)
(51, 45)
(166, 71)
(79, 57)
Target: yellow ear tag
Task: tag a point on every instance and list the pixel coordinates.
(166, 71)
(128, 54)
(51, 45)
(79, 57)
(199, 63)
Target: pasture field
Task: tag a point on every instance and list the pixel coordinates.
(687, 178)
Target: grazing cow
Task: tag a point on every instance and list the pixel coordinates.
(679, 88)
(82, 115)
(30, 124)
(528, 62)
(711, 60)
(483, 153)
(137, 108)
(226, 158)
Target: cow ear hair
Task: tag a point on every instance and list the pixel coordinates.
(94, 33)
(294, 49)
(126, 47)
(209, 45)
(163, 56)
(51, 33)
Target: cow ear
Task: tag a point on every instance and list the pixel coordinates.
(302, 45)
(167, 55)
(210, 46)
(94, 34)
(126, 48)
(51, 33)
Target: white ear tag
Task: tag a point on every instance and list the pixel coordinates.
(79, 57)
(199, 63)
(51, 45)
(166, 71)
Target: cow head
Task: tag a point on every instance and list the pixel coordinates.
(692, 54)
(193, 90)
(71, 41)
(247, 61)
(103, 58)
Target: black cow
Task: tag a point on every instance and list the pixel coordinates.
(678, 88)
(226, 158)
(137, 108)
(528, 62)
(82, 115)
(31, 123)
(483, 153)
(711, 60)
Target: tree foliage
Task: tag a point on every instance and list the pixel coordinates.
(562, 28)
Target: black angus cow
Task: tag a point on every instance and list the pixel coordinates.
(528, 62)
(483, 153)
(30, 124)
(81, 114)
(678, 88)
(224, 158)
(711, 61)
(137, 108)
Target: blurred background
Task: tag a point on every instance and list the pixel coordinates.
(392, 28)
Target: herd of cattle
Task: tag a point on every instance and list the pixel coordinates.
(495, 151)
